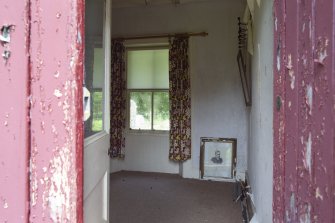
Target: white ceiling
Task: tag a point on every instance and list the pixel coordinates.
(139, 3)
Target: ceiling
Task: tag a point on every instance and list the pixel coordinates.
(139, 3)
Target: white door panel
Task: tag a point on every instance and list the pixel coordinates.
(96, 181)
(95, 163)
(97, 141)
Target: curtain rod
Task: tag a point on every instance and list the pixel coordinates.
(161, 36)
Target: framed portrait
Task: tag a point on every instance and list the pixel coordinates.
(218, 158)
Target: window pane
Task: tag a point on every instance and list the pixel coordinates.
(140, 110)
(161, 111)
(97, 111)
(94, 65)
(148, 69)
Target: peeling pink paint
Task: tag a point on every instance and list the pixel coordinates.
(14, 121)
(41, 74)
(56, 163)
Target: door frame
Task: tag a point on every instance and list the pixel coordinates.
(303, 123)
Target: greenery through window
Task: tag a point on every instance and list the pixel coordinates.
(97, 98)
(148, 84)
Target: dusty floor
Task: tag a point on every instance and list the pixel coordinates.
(164, 198)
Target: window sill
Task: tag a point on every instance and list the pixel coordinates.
(148, 132)
(94, 138)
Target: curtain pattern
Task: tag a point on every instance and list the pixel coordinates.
(180, 100)
(118, 101)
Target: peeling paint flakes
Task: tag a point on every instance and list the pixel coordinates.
(292, 210)
(306, 217)
(291, 71)
(278, 58)
(57, 93)
(59, 193)
(33, 175)
(72, 62)
(318, 194)
(322, 51)
(42, 127)
(5, 204)
(292, 203)
(79, 39)
(292, 79)
(58, 15)
(56, 74)
(289, 63)
(309, 98)
(308, 154)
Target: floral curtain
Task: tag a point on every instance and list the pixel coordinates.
(118, 101)
(180, 100)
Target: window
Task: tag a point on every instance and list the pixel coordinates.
(94, 81)
(148, 88)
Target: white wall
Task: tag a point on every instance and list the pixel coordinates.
(260, 161)
(218, 108)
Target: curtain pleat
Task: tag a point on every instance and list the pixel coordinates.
(118, 101)
(180, 100)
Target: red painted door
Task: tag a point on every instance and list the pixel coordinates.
(304, 157)
(41, 112)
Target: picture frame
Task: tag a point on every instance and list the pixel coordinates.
(243, 61)
(218, 158)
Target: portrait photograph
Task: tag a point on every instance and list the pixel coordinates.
(217, 158)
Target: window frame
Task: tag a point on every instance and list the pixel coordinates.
(151, 90)
(106, 44)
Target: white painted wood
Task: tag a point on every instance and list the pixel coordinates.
(96, 159)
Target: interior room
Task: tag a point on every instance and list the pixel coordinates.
(224, 109)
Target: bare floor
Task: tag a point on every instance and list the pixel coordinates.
(165, 198)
